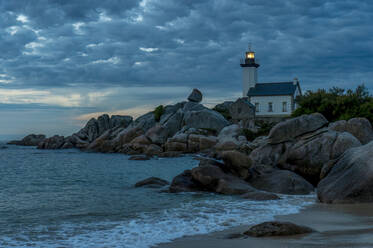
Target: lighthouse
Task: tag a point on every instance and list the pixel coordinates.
(249, 72)
(272, 99)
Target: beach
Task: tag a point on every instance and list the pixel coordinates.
(335, 225)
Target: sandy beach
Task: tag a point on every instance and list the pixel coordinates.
(336, 226)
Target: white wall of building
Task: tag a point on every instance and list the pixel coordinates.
(297, 93)
(249, 79)
(277, 105)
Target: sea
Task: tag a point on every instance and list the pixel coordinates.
(69, 198)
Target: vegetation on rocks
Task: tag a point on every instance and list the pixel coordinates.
(158, 112)
(264, 129)
(337, 103)
(223, 112)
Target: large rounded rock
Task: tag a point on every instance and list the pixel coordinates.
(238, 163)
(102, 143)
(205, 119)
(281, 182)
(308, 156)
(292, 128)
(358, 127)
(127, 135)
(350, 179)
(153, 150)
(120, 121)
(276, 228)
(212, 178)
(145, 122)
(207, 142)
(174, 123)
(230, 133)
(176, 147)
(269, 154)
(152, 182)
(184, 183)
(195, 96)
(157, 134)
(103, 123)
(140, 143)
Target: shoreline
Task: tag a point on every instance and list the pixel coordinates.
(348, 225)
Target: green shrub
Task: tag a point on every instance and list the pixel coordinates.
(264, 129)
(336, 103)
(158, 112)
(225, 113)
(250, 135)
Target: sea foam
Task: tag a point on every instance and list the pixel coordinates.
(149, 229)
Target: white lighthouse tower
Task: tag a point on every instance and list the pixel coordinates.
(250, 75)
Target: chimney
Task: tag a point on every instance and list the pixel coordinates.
(295, 81)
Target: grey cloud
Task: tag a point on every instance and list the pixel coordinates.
(320, 42)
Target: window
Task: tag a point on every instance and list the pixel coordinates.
(284, 107)
(270, 107)
(256, 107)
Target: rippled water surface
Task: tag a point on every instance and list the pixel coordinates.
(67, 198)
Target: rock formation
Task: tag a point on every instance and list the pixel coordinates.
(297, 155)
(29, 140)
(276, 228)
(195, 96)
(350, 179)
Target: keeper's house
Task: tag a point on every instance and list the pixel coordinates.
(269, 99)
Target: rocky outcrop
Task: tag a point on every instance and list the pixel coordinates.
(96, 127)
(29, 140)
(213, 176)
(120, 121)
(152, 182)
(306, 150)
(191, 140)
(184, 183)
(195, 96)
(292, 128)
(55, 142)
(308, 156)
(230, 138)
(270, 155)
(279, 181)
(350, 179)
(145, 122)
(205, 119)
(276, 228)
(157, 134)
(213, 179)
(237, 162)
(358, 127)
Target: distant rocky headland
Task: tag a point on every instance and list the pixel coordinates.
(242, 157)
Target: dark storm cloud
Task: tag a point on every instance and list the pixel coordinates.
(196, 43)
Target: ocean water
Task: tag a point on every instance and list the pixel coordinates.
(67, 198)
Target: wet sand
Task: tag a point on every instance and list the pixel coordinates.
(336, 226)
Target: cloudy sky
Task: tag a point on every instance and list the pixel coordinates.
(64, 61)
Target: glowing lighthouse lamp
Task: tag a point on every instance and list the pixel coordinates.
(250, 75)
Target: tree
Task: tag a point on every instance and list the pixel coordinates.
(337, 103)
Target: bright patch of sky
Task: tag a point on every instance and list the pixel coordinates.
(22, 18)
(112, 60)
(149, 49)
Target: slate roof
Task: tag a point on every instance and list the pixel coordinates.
(273, 89)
